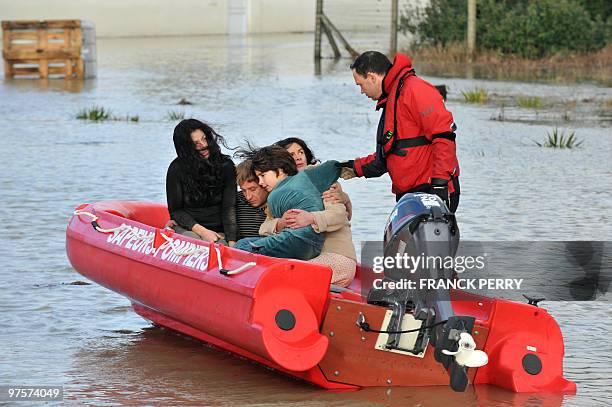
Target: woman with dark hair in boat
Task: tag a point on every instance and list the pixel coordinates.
(201, 184)
(338, 251)
(289, 189)
(299, 150)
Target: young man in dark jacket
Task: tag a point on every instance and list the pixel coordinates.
(415, 141)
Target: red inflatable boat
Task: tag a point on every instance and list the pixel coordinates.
(282, 314)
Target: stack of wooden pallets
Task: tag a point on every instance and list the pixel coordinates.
(49, 48)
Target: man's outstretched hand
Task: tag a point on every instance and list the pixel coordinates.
(347, 169)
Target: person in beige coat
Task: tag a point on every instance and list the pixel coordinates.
(338, 251)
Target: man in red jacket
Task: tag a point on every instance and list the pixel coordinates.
(415, 141)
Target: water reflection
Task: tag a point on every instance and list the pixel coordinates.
(157, 366)
(326, 66)
(62, 85)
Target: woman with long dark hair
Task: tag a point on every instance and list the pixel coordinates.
(201, 184)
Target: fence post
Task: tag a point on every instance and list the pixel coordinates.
(394, 15)
(317, 44)
(471, 28)
(330, 38)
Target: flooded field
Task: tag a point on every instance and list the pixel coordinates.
(262, 89)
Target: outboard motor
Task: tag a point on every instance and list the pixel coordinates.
(421, 233)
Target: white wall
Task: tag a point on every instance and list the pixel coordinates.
(237, 16)
(126, 18)
(267, 16)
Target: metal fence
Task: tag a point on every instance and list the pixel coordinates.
(365, 25)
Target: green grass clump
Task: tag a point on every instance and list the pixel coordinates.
(99, 113)
(175, 115)
(529, 102)
(95, 113)
(559, 139)
(478, 95)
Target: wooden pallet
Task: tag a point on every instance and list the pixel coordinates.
(43, 48)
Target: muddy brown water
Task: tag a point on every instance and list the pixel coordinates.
(87, 338)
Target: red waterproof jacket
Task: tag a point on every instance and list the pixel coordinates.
(416, 143)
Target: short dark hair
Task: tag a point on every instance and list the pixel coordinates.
(285, 143)
(371, 61)
(273, 158)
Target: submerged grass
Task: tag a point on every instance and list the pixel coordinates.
(530, 102)
(133, 119)
(175, 115)
(99, 113)
(95, 113)
(478, 95)
(560, 139)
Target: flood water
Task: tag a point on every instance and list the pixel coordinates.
(87, 338)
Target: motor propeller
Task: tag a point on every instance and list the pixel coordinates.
(467, 354)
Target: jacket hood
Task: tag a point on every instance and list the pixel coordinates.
(402, 63)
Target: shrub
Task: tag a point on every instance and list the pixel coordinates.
(597, 8)
(529, 28)
(440, 23)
